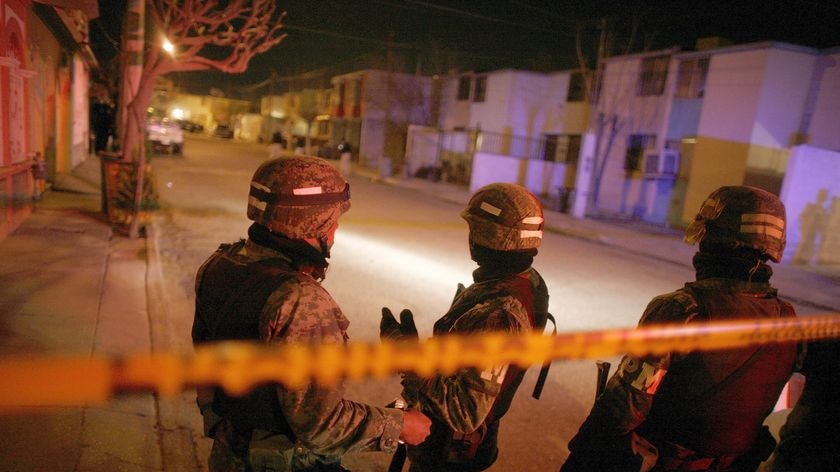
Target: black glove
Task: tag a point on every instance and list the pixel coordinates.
(390, 328)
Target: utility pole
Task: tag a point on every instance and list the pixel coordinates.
(134, 36)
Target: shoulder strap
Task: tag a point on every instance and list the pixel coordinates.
(538, 388)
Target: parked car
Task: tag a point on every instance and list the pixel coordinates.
(223, 131)
(165, 135)
(190, 126)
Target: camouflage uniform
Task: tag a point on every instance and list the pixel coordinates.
(466, 407)
(267, 289)
(701, 410)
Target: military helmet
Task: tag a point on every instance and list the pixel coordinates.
(299, 197)
(741, 216)
(504, 217)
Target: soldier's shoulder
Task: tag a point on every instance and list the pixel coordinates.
(676, 306)
(300, 309)
(497, 313)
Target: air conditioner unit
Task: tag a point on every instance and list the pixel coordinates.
(663, 163)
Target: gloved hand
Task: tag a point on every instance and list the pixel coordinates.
(403, 330)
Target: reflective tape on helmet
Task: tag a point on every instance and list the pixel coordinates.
(308, 191)
(527, 233)
(495, 211)
(308, 196)
(762, 223)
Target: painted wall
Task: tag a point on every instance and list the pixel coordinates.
(489, 168)
(784, 91)
(715, 162)
(732, 95)
(80, 114)
(811, 194)
(823, 127)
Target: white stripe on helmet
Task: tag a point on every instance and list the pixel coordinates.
(260, 186)
(532, 220)
(258, 204)
(495, 211)
(525, 233)
(762, 229)
(308, 191)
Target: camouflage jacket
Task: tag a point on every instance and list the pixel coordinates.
(299, 310)
(472, 399)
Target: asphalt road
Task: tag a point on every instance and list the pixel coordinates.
(400, 248)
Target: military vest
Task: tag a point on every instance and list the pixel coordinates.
(530, 290)
(230, 296)
(714, 402)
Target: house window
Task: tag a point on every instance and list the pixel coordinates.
(691, 77)
(577, 88)
(652, 75)
(480, 88)
(636, 146)
(464, 83)
(561, 148)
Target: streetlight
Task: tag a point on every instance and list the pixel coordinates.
(168, 47)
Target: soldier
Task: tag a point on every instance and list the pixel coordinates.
(267, 288)
(508, 295)
(701, 410)
(808, 439)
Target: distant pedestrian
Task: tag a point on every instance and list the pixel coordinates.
(39, 176)
(701, 410)
(345, 158)
(268, 288)
(278, 144)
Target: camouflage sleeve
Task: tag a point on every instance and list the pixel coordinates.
(321, 418)
(463, 400)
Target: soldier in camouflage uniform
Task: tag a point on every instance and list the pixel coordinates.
(267, 288)
(508, 295)
(701, 410)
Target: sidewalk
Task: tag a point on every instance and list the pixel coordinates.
(69, 285)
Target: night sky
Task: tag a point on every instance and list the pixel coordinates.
(330, 37)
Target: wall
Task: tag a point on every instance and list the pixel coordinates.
(732, 95)
(811, 194)
(421, 148)
(80, 113)
(823, 122)
(494, 113)
(490, 168)
(715, 162)
(784, 91)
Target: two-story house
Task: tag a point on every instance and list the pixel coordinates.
(505, 125)
(680, 124)
(372, 110)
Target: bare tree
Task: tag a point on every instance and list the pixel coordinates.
(606, 121)
(204, 34)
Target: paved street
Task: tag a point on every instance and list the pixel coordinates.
(70, 286)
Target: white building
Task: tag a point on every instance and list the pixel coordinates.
(687, 123)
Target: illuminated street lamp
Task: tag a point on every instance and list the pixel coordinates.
(168, 47)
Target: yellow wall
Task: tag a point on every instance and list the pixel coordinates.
(718, 162)
(715, 163)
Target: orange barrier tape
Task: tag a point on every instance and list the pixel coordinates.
(238, 366)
